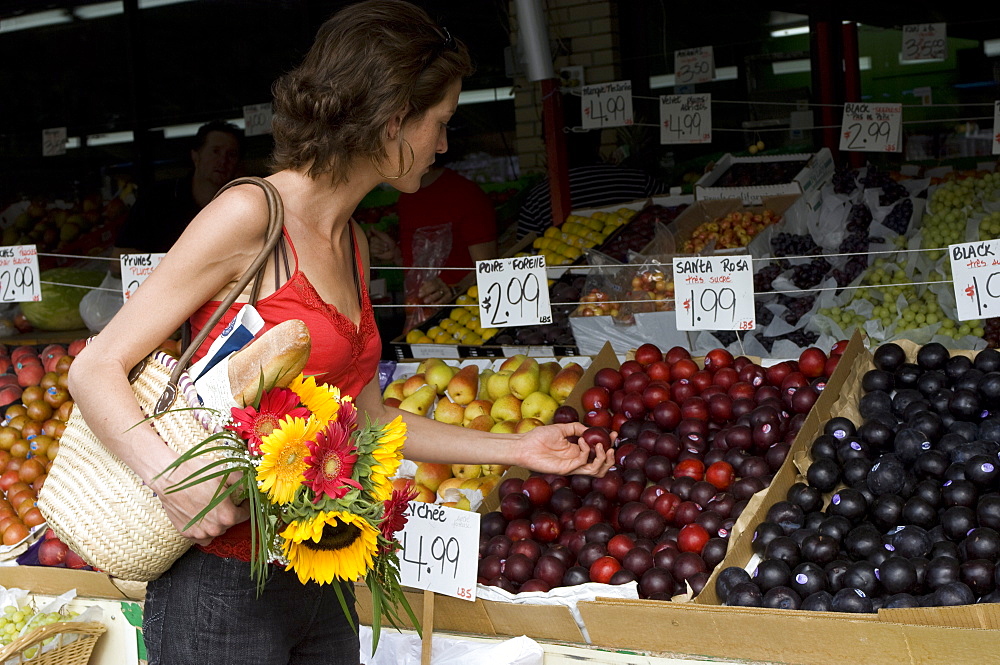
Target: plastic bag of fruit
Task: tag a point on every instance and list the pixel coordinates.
(431, 247)
(606, 287)
(100, 305)
(652, 282)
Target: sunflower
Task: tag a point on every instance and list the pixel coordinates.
(322, 400)
(330, 463)
(388, 455)
(282, 468)
(253, 424)
(331, 546)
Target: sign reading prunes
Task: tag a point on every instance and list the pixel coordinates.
(513, 292)
(440, 550)
(607, 105)
(714, 293)
(924, 41)
(53, 141)
(975, 273)
(135, 269)
(19, 279)
(686, 118)
(871, 127)
(694, 65)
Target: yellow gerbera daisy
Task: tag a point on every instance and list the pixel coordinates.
(388, 454)
(331, 546)
(321, 399)
(283, 465)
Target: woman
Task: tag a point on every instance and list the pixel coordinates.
(368, 105)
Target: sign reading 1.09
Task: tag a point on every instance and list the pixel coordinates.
(714, 293)
(440, 550)
(871, 127)
(975, 272)
(686, 118)
(19, 279)
(513, 292)
(607, 105)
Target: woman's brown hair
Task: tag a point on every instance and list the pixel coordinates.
(368, 62)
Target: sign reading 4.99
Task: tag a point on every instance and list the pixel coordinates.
(607, 105)
(686, 118)
(513, 292)
(440, 550)
(19, 280)
(714, 293)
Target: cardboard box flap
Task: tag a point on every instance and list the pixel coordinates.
(450, 614)
(546, 622)
(53, 581)
(985, 616)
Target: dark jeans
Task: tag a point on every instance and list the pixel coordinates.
(205, 609)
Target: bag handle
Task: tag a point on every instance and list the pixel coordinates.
(275, 224)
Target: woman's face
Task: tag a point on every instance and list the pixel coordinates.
(428, 136)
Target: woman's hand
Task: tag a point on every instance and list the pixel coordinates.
(382, 246)
(548, 450)
(184, 505)
(435, 292)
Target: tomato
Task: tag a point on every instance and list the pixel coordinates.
(720, 474)
(602, 569)
(692, 538)
(692, 468)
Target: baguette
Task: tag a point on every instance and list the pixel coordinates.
(278, 355)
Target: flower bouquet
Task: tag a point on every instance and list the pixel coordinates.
(318, 487)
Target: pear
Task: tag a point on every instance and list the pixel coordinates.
(484, 379)
(526, 425)
(394, 389)
(547, 372)
(512, 363)
(483, 423)
(507, 407)
(420, 402)
(504, 427)
(431, 474)
(525, 379)
(449, 412)
(464, 386)
(413, 384)
(539, 405)
(499, 385)
(476, 408)
(466, 471)
(439, 374)
(565, 381)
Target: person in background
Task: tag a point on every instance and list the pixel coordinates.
(593, 183)
(161, 215)
(444, 197)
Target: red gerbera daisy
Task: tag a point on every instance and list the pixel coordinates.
(252, 425)
(395, 510)
(331, 462)
(347, 415)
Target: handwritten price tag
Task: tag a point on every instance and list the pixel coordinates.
(694, 65)
(513, 292)
(257, 119)
(871, 127)
(924, 41)
(607, 105)
(19, 280)
(996, 127)
(975, 272)
(53, 141)
(686, 118)
(714, 293)
(440, 550)
(135, 269)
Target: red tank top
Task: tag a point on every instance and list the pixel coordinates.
(342, 354)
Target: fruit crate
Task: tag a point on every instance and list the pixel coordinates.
(74, 641)
(765, 175)
(703, 212)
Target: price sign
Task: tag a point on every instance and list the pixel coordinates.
(607, 105)
(440, 550)
(871, 127)
(996, 127)
(714, 293)
(924, 41)
(135, 269)
(975, 272)
(694, 65)
(513, 292)
(19, 280)
(686, 118)
(53, 141)
(257, 119)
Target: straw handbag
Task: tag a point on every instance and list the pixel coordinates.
(95, 503)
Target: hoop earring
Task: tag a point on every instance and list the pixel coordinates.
(401, 171)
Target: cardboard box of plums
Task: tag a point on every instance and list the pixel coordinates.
(958, 634)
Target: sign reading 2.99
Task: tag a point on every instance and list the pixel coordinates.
(513, 292)
(19, 280)
(714, 293)
(871, 127)
(440, 550)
